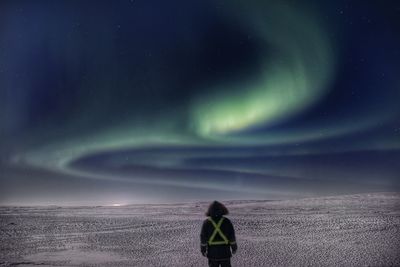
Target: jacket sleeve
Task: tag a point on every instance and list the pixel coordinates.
(232, 237)
(203, 237)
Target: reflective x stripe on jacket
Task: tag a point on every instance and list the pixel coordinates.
(217, 229)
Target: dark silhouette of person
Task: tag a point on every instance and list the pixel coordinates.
(217, 237)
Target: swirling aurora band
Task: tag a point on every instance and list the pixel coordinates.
(235, 118)
(288, 83)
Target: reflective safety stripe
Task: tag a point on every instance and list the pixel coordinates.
(217, 230)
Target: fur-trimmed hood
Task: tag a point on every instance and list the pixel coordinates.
(216, 209)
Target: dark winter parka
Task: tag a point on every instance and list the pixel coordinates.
(217, 236)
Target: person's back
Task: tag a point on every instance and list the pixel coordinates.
(217, 236)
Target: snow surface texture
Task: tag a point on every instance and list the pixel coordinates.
(350, 230)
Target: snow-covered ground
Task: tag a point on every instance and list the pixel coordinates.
(349, 230)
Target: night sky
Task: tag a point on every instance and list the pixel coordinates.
(146, 101)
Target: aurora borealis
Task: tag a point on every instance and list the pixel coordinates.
(156, 101)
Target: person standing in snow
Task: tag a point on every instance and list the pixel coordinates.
(217, 237)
